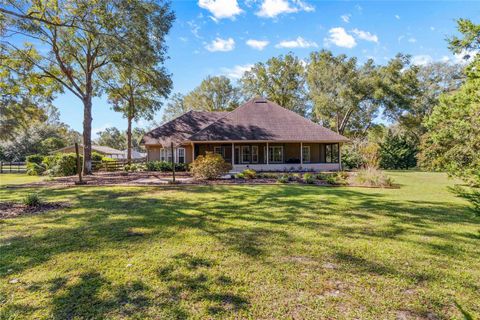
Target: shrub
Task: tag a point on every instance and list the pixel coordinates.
(34, 158)
(267, 175)
(62, 164)
(308, 178)
(165, 166)
(34, 164)
(284, 178)
(34, 169)
(240, 175)
(373, 178)
(97, 156)
(32, 200)
(210, 166)
(249, 174)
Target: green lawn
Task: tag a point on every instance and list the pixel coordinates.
(270, 252)
(17, 178)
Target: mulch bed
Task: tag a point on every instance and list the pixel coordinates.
(14, 209)
(154, 178)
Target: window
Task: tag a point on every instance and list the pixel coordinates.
(246, 155)
(218, 150)
(254, 154)
(275, 154)
(163, 154)
(306, 154)
(181, 155)
(331, 153)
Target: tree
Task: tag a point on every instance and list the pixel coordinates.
(75, 53)
(213, 94)
(342, 93)
(41, 138)
(397, 150)
(113, 138)
(469, 43)
(281, 79)
(452, 142)
(175, 107)
(24, 99)
(434, 79)
(136, 84)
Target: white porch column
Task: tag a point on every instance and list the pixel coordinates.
(301, 152)
(267, 153)
(233, 154)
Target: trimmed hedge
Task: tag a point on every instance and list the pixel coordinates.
(165, 166)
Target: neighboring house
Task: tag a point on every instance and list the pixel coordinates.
(259, 134)
(135, 154)
(105, 151)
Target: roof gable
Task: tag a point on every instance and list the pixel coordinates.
(179, 129)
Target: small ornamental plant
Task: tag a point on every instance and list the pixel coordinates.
(32, 200)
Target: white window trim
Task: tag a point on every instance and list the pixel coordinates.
(309, 154)
(241, 155)
(178, 155)
(270, 152)
(252, 153)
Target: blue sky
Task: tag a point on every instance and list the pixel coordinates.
(226, 37)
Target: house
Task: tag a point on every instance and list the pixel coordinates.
(135, 154)
(260, 135)
(104, 151)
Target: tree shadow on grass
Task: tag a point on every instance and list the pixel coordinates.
(187, 275)
(85, 299)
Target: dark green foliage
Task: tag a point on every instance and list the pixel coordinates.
(165, 166)
(397, 151)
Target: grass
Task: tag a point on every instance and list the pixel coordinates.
(279, 251)
(17, 178)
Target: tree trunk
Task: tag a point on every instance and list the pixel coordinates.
(87, 135)
(129, 140)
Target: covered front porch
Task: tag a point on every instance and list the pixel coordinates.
(275, 156)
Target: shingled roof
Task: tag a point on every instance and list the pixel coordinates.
(263, 120)
(181, 128)
(257, 120)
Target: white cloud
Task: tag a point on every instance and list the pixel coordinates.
(397, 17)
(412, 40)
(339, 37)
(422, 59)
(297, 43)
(96, 131)
(237, 71)
(221, 9)
(220, 44)
(257, 44)
(365, 35)
(273, 8)
(194, 28)
(346, 17)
